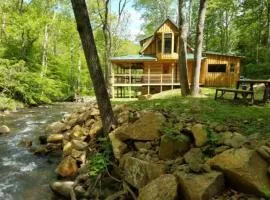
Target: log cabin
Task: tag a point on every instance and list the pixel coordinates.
(156, 69)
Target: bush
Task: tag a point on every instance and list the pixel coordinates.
(257, 71)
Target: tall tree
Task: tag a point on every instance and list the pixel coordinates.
(198, 49)
(182, 59)
(154, 13)
(86, 34)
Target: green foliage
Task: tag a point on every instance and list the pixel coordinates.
(9, 104)
(100, 161)
(259, 71)
(28, 87)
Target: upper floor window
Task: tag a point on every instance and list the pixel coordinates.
(175, 43)
(168, 43)
(159, 45)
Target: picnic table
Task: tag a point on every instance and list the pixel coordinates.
(251, 83)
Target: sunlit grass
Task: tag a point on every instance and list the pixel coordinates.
(250, 119)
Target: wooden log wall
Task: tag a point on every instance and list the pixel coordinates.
(221, 79)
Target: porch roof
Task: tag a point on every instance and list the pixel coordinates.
(143, 58)
(135, 58)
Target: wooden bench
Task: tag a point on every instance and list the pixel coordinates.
(244, 93)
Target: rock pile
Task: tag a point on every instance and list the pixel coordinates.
(157, 156)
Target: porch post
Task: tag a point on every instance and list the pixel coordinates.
(172, 43)
(172, 75)
(161, 80)
(112, 81)
(162, 43)
(130, 81)
(148, 80)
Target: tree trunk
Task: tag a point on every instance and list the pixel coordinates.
(86, 34)
(44, 53)
(183, 30)
(195, 86)
(268, 23)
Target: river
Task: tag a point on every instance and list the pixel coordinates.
(24, 176)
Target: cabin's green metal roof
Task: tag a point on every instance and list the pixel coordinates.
(140, 57)
(222, 54)
(134, 58)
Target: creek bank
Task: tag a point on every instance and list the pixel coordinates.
(151, 148)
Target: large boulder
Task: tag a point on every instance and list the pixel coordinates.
(139, 173)
(164, 187)
(200, 186)
(57, 127)
(118, 146)
(67, 167)
(62, 188)
(245, 170)
(4, 129)
(145, 128)
(55, 138)
(200, 134)
(169, 146)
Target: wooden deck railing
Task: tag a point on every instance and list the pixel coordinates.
(143, 79)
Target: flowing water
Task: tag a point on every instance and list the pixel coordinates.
(24, 176)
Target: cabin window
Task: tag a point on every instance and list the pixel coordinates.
(166, 68)
(175, 43)
(168, 43)
(159, 46)
(215, 68)
(232, 68)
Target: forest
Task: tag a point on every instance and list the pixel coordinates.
(41, 57)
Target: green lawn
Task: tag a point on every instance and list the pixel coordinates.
(250, 119)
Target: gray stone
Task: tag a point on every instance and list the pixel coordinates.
(62, 188)
(79, 145)
(170, 147)
(139, 173)
(119, 147)
(146, 128)
(67, 167)
(4, 129)
(55, 138)
(162, 188)
(194, 159)
(234, 140)
(200, 186)
(244, 169)
(200, 135)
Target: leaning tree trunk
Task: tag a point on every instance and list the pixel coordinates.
(90, 51)
(195, 86)
(182, 59)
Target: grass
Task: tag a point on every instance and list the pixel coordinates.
(250, 119)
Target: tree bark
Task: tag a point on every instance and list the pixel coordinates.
(195, 86)
(44, 53)
(183, 30)
(86, 34)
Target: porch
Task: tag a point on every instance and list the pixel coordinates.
(132, 80)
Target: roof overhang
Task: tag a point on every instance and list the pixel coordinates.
(134, 58)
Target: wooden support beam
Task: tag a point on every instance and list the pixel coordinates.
(162, 43)
(130, 81)
(172, 43)
(113, 81)
(148, 80)
(161, 81)
(172, 76)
